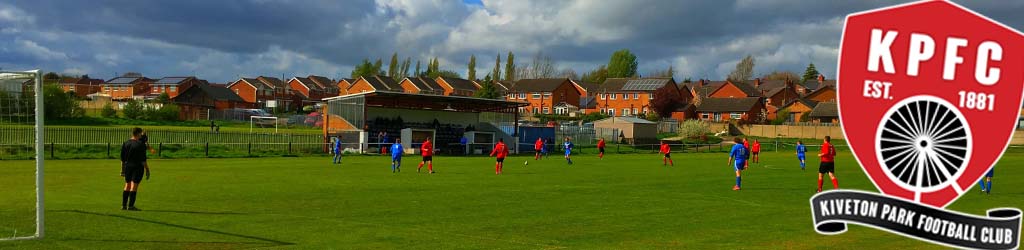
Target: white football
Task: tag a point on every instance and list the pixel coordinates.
(526, 163)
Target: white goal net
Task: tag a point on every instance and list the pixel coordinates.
(263, 124)
(21, 155)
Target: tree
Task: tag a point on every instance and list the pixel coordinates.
(108, 111)
(541, 66)
(163, 98)
(488, 90)
(687, 80)
(51, 76)
(569, 73)
(418, 72)
(444, 73)
(403, 72)
(622, 64)
(59, 104)
(744, 70)
(393, 66)
(496, 74)
(780, 75)
(364, 68)
(133, 109)
(377, 67)
(597, 75)
(471, 74)
(666, 100)
(811, 73)
(510, 68)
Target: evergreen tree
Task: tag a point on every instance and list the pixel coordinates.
(510, 68)
(418, 72)
(487, 89)
(471, 74)
(497, 69)
(393, 66)
(811, 73)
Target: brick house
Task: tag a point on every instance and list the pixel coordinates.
(329, 86)
(196, 100)
(743, 109)
(732, 89)
(797, 109)
(127, 87)
(629, 96)
(457, 86)
(544, 95)
(825, 93)
(826, 112)
(171, 85)
(307, 88)
(343, 85)
(702, 89)
(262, 91)
(374, 83)
(811, 86)
(82, 87)
(421, 85)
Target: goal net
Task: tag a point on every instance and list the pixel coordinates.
(263, 124)
(21, 155)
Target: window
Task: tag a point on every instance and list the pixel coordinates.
(603, 111)
(535, 109)
(613, 96)
(634, 111)
(602, 96)
(535, 96)
(522, 95)
(645, 111)
(156, 90)
(718, 117)
(547, 95)
(611, 112)
(71, 87)
(174, 88)
(735, 116)
(625, 112)
(636, 96)
(705, 116)
(106, 88)
(236, 91)
(547, 110)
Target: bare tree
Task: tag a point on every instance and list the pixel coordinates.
(568, 73)
(744, 70)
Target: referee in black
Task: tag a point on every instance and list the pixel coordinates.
(133, 165)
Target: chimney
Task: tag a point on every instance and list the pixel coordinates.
(757, 82)
(821, 78)
(700, 83)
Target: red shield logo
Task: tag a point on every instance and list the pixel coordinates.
(929, 94)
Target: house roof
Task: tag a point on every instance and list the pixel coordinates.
(815, 84)
(308, 83)
(613, 85)
(215, 92)
(646, 84)
(728, 104)
(323, 82)
(70, 80)
(589, 87)
(273, 82)
(820, 89)
(255, 82)
(747, 88)
(175, 80)
(825, 110)
(624, 119)
(768, 85)
(538, 85)
(459, 83)
(709, 87)
(124, 80)
(588, 102)
(383, 83)
(424, 83)
(504, 85)
(806, 102)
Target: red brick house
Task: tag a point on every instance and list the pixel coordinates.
(545, 96)
(263, 91)
(797, 110)
(743, 109)
(826, 112)
(629, 96)
(421, 85)
(127, 87)
(457, 86)
(171, 85)
(307, 88)
(374, 83)
(82, 87)
(825, 93)
(329, 85)
(732, 89)
(198, 99)
(343, 85)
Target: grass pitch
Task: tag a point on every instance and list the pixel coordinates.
(621, 202)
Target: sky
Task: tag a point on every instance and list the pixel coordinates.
(223, 40)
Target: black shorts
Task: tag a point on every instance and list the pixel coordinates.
(428, 158)
(501, 160)
(827, 167)
(668, 155)
(600, 150)
(134, 174)
(755, 153)
(539, 151)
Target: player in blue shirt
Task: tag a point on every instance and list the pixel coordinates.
(568, 149)
(396, 156)
(988, 179)
(801, 154)
(337, 150)
(738, 159)
(544, 149)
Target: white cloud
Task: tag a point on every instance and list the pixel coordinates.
(39, 52)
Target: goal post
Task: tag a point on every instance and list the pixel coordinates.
(21, 120)
(262, 122)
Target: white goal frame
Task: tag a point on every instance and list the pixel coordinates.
(252, 121)
(40, 151)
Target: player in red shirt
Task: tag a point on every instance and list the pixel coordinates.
(427, 150)
(746, 144)
(539, 147)
(828, 164)
(500, 150)
(667, 151)
(756, 148)
(600, 148)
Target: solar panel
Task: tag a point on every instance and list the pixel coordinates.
(123, 80)
(644, 84)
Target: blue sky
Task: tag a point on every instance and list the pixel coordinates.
(223, 40)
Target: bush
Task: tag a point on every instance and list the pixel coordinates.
(108, 111)
(134, 110)
(781, 117)
(694, 128)
(59, 104)
(169, 112)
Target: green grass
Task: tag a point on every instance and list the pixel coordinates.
(622, 202)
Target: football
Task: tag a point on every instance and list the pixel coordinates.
(526, 163)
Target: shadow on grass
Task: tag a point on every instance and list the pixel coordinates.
(192, 212)
(272, 241)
